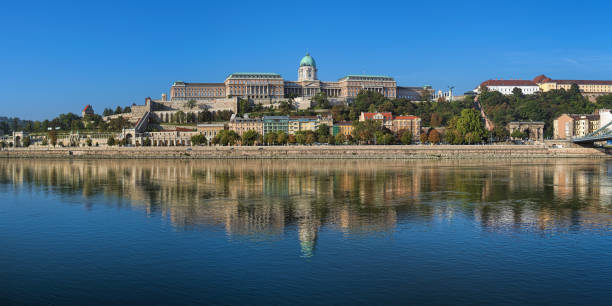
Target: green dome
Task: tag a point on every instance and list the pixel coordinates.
(308, 61)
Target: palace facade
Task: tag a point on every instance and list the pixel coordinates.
(260, 85)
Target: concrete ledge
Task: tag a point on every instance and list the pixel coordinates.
(311, 152)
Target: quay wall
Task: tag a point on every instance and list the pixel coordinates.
(312, 152)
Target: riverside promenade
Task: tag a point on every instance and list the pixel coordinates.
(312, 152)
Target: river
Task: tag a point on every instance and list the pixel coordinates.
(306, 232)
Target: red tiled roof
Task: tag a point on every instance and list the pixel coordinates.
(541, 79)
(508, 83)
(387, 116)
(344, 123)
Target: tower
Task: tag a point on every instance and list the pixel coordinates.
(308, 69)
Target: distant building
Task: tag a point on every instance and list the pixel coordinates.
(272, 86)
(241, 125)
(385, 118)
(506, 87)
(210, 130)
(406, 123)
(345, 128)
(533, 129)
(588, 88)
(275, 124)
(568, 126)
(87, 111)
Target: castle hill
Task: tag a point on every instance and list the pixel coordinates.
(308, 116)
(306, 153)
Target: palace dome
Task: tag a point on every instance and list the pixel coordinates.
(308, 61)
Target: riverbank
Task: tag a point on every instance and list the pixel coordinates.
(312, 152)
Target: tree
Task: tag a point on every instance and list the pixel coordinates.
(118, 110)
(364, 131)
(25, 142)
(111, 141)
(291, 139)
(322, 139)
(146, 142)
(270, 138)
(281, 137)
(517, 134)
(423, 138)
(198, 140)
(310, 137)
(300, 137)
(434, 136)
(320, 101)
(250, 137)
(322, 130)
(52, 135)
(226, 138)
(406, 137)
(107, 112)
(89, 142)
(340, 139)
(517, 92)
(470, 122)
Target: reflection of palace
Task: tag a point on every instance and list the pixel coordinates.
(262, 198)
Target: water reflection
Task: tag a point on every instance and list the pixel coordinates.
(262, 199)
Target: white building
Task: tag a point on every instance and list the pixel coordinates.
(506, 87)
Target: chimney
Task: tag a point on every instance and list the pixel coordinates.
(164, 97)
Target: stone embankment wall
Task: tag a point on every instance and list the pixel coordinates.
(312, 152)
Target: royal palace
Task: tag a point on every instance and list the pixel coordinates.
(259, 86)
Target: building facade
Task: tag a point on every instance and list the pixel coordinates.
(275, 124)
(241, 125)
(263, 85)
(506, 87)
(407, 123)
(568, 126)
(210, 130)
(345, 128)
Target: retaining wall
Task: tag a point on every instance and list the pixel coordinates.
(311, 152)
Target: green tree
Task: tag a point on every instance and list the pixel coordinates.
(310, 137)
(340, 139)
(226, 138)
(89, 142)
(270, 138)
(26, 141)
(470, 122)
(146, 142)
(300, 137)
(406, 137)
(250, 137)
(320, 101)
(291, 139)
(517, 134)
(111, 141)
(118, 110)
(322, 130)
(198, 140)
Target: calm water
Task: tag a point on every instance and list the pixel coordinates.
(306, 232)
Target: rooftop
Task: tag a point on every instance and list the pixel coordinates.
(366, 77)
(508, 83)
(255, 75)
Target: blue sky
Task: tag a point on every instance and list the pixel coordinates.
(58, 56)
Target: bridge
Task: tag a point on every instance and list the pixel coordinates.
(602, 134)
